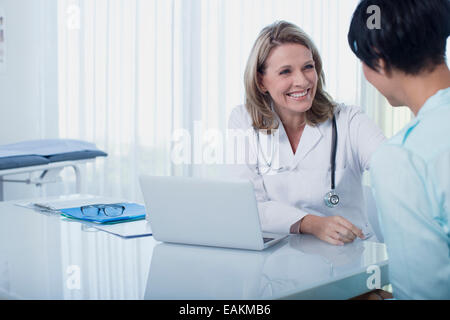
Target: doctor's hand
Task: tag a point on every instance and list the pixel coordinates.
(335, 230)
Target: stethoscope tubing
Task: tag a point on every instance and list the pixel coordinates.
(333, 152)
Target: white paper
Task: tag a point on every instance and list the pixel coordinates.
(131, 229)
(66, 202)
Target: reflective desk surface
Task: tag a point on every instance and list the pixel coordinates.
(47, 257)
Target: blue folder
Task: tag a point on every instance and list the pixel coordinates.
(132, 212)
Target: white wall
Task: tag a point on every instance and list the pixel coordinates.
(28, 85)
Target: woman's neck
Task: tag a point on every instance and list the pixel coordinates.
(418, 89)
(292, 121)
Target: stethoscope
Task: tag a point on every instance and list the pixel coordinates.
(331, 198)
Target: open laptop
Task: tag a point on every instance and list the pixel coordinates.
(220, 213)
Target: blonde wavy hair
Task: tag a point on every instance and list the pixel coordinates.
(257, 102)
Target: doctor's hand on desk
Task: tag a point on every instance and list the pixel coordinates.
(335, 230)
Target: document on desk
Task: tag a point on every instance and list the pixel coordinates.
(65, 202)
(133, 229)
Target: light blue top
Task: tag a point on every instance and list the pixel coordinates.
(410, 174)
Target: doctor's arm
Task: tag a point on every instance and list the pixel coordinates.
(365, 137)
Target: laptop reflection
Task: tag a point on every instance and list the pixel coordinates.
(186, 272)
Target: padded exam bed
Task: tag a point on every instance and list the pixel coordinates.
(49, 156)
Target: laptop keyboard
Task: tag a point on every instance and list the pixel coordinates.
(267, 239)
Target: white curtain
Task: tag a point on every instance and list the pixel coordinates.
(133, 73)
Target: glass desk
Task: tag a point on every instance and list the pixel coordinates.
(45, 256)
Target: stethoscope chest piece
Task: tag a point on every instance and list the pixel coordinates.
(331, 199)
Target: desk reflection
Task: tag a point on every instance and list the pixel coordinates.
(297, 263)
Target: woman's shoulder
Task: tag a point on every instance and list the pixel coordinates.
(239, 118)
(345, 110)
(348, 113)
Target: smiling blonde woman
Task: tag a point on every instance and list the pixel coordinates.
(284, 85)
(258, 102)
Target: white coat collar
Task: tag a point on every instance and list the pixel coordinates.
(309, 139)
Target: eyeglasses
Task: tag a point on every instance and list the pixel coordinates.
(110, 210)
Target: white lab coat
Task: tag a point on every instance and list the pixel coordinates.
(286, 197)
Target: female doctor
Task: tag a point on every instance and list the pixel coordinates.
(307, 174)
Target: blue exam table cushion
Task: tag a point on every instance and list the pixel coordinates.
(22, 161)
(77, 155)
(45, 147)
(42, 152)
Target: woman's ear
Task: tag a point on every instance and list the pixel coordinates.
(382, 67)
(261, 86)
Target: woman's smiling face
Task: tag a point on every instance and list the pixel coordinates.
(290, 78)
